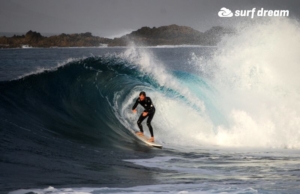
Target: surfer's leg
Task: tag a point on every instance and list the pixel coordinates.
(139, 122)
(150, 117)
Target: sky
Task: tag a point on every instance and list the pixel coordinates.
(114, 18)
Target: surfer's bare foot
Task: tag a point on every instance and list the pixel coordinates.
(140, 133)
(151, 139)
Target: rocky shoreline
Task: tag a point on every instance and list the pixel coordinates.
(145, 36)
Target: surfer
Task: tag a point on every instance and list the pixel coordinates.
(148, 112)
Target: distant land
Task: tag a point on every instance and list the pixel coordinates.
(10, 34)
(145, 36)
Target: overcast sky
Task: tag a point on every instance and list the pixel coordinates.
(111, 18)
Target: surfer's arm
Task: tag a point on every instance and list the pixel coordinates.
(135, 104)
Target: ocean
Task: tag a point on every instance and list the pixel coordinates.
(227, 117)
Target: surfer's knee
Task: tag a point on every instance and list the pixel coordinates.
(148, 124)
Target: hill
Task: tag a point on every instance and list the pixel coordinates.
(172, 35)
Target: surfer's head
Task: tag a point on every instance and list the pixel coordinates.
(142, 95)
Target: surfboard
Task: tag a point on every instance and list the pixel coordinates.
(145, 140)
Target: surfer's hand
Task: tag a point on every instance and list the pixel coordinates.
(134, 111)
(145, 114)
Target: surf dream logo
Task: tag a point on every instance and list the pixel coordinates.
(224, 12)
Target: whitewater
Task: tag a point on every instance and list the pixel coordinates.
(228, 117)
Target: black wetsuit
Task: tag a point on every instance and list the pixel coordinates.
(150, 109)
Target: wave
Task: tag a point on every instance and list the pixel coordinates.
(90, 99)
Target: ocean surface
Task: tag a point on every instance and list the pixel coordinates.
(228, 117)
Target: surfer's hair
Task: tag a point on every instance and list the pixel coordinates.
(142, 93)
